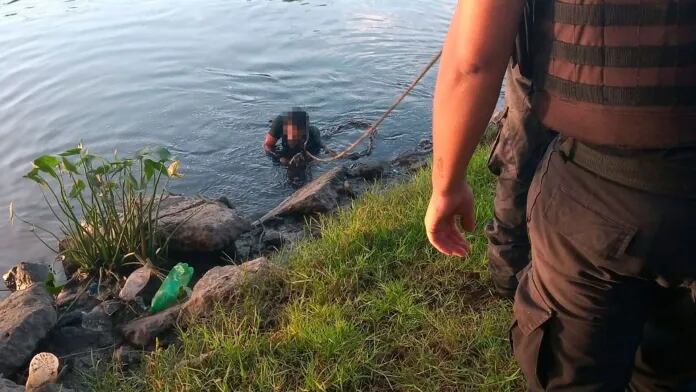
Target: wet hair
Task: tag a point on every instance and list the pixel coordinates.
(299, 118)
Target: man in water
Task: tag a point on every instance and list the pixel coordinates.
(297, 137)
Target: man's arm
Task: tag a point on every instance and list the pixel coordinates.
(269, 144)
(475, 55)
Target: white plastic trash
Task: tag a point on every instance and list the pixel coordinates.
(43, 370)
(135, 283)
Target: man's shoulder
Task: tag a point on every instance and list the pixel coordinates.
(277, 126)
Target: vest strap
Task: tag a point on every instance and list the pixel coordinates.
(674, 12)
(626, 57)
(619, 96)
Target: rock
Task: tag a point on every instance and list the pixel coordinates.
(93, 330)
(24, 275)
(276, 238)
(369, 170)
(411, 161)
(127, 356)
(26, 317)
(217, 285)
(8, 386)
(140, 332)
(97, 320)
(198, 225)
(220, 283)
(425, 146)
(318, 196)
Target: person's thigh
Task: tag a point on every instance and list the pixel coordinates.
(581, 305)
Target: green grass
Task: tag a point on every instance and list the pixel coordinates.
(368, 306)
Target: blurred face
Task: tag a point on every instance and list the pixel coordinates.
(294, 135)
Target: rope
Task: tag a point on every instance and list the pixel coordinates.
(370, 132)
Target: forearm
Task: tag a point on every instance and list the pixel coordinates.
(468, 84)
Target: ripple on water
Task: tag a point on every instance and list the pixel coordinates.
(203, 79)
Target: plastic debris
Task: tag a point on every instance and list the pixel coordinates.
(43, 370)
(58, 271)
(135, 283)
(175, 283)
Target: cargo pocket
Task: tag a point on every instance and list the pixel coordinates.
(494, 160)
(527, 333)
(601, 237)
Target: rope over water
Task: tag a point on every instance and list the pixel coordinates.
(372, 130)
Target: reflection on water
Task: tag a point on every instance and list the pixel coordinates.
(203, 78)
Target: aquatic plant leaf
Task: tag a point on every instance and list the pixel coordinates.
(142, 153)
(77, 188)
(51, 286)
(69, 166)
(152, 166)
(71, 152)
(35, 176)
(163, 154)
(47, 164)
(132, 182)
(103, 169)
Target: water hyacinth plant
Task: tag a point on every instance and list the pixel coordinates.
(106, 209)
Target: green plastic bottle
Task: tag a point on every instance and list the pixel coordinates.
(179, 278)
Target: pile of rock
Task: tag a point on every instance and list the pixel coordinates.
(94, 327)
(88, 321)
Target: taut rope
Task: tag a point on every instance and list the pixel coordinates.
(370, 132)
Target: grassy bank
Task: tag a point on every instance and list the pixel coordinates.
(368, 306)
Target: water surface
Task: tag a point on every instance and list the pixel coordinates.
(202, 78)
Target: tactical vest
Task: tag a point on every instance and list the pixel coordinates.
(617, 72)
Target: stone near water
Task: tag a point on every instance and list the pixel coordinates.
(141, 332)
(24, 275)
(199, 225)
(9, 386)
(369, 170)
(220, 283)
(411, 161)
(318, 196)
(135, 283)
(127, 356)
(26, 317)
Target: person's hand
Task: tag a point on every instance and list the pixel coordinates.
(441, 220)
(284, 161)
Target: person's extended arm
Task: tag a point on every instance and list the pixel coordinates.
(269, 144)
(475, 55)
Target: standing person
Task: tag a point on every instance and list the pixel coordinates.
(517, 151)
(612, 208)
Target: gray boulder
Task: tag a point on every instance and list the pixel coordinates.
(26, 317)
(199, 225)
(142, 331)
(369, 170)
(8, 386)
(318, 196)
(24, 275)
(221, 283)
(411, 161)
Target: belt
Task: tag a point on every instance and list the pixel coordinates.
(640, 171)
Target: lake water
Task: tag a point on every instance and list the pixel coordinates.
(202, 78)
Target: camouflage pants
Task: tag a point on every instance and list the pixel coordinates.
(518, 149)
